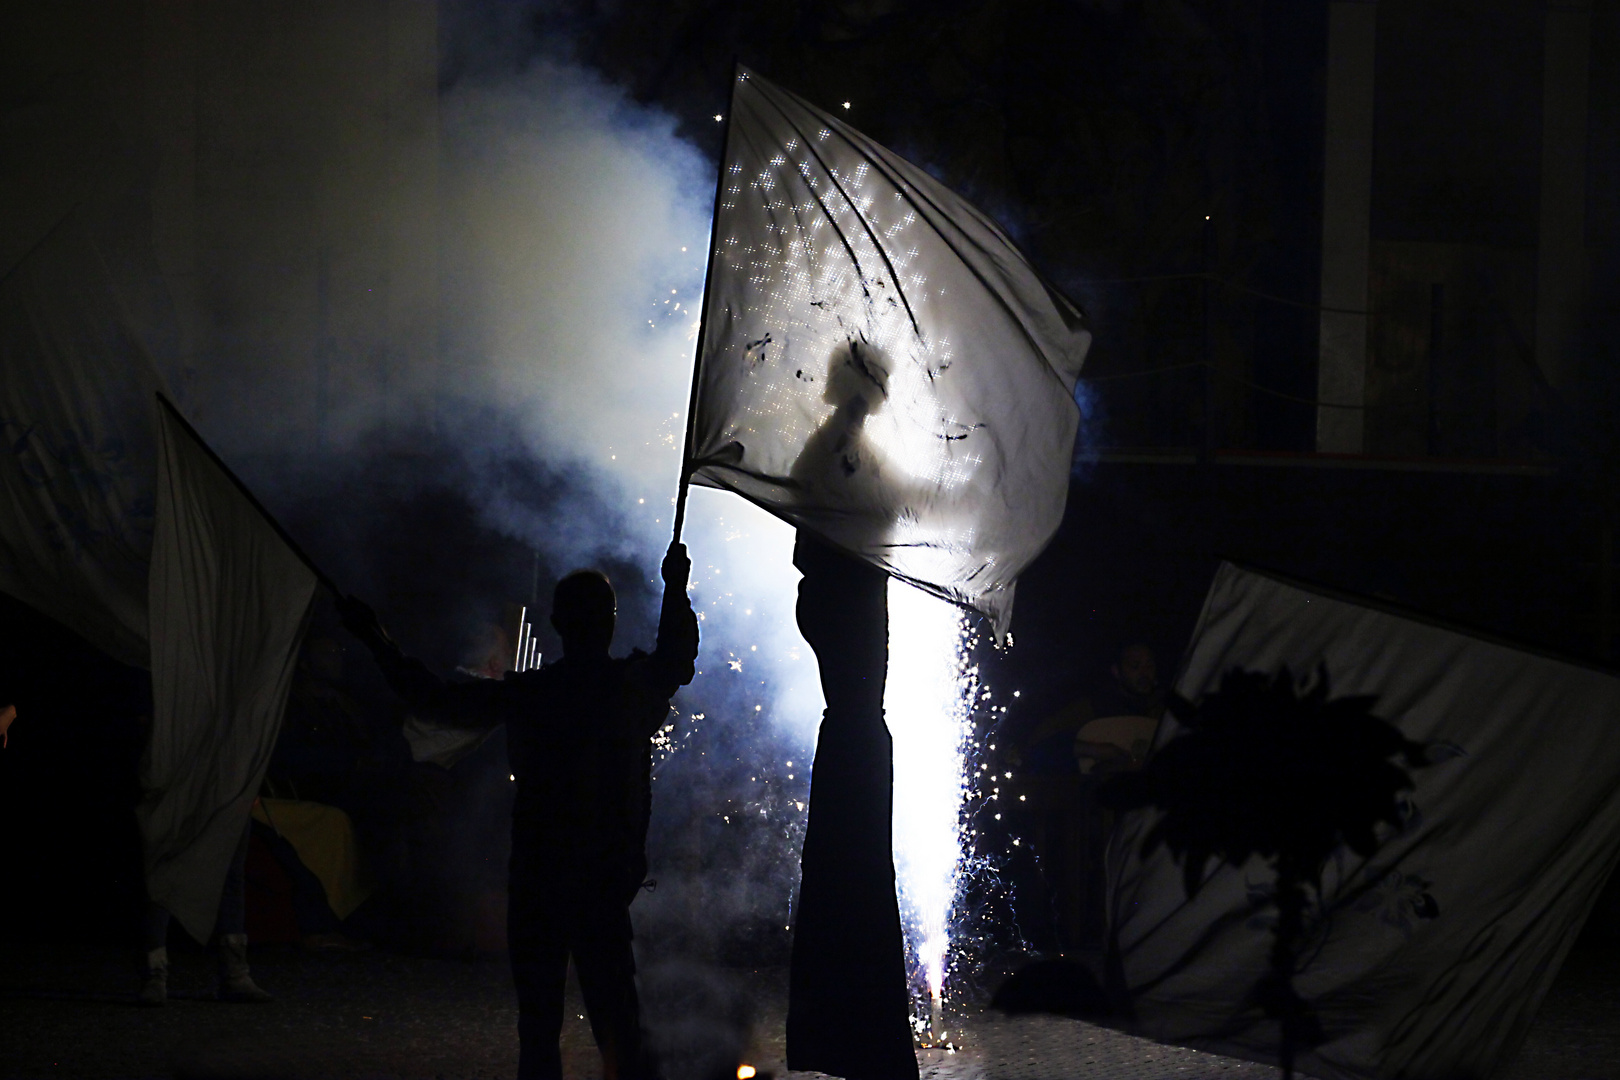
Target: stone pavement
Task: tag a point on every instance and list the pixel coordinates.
(1046, 1048)
(68, 1012)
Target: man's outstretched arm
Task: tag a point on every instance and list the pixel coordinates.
(472, 704)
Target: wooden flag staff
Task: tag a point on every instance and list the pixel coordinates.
(703, 312)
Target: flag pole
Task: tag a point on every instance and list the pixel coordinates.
(703, 313)
(298, 552)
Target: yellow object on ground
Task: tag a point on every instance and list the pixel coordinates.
(323, 837)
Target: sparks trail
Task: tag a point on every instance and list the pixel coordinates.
(931, 689)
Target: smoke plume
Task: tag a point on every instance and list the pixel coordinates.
(543, 433)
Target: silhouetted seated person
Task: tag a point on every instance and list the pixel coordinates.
(578, 736)
(1056, 767)
(1117, 729)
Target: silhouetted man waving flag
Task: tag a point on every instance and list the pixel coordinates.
(579, 737)
(881, 367)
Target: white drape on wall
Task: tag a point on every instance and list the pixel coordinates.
(1429, 960)
(76, 445)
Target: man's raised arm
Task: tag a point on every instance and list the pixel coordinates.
(473, 704)
(674, 660)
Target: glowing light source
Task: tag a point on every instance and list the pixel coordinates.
(745, 1072)
(927, 700)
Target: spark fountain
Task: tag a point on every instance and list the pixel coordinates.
(928, 702)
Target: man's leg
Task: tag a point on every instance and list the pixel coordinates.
(607, 977)
(536, 944)
(155, 954)
(232, 917)
(849, 1008)
(236, 983)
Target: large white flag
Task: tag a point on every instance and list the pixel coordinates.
(228, 601)
(879, 364)
(76, 447)
(1429, 959)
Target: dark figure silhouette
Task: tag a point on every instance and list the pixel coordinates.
(848, 1003)
(837, 464)
(578, 734)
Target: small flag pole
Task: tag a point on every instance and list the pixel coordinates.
(703, 313)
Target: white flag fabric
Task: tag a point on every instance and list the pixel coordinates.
(880, 365)
(76, 445)
(228, 603)
(1430, 959)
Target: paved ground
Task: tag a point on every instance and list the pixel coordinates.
(69, 1013)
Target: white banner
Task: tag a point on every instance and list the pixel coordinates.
(880, 365)
(228, 601)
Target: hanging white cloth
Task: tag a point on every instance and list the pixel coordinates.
(1429, 960)
(76, 445)
(228, 604)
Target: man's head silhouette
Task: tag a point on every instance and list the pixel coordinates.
(583, 611)
(857, 380)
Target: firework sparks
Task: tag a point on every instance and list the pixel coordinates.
(928, 702)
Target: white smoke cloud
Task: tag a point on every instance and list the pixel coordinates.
(577, 226)
(573, 233)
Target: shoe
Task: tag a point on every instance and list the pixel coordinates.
(155, 977)
(236, 985)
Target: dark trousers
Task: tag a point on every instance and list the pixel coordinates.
(544, 927)
(849, 1007)
(232, 917)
